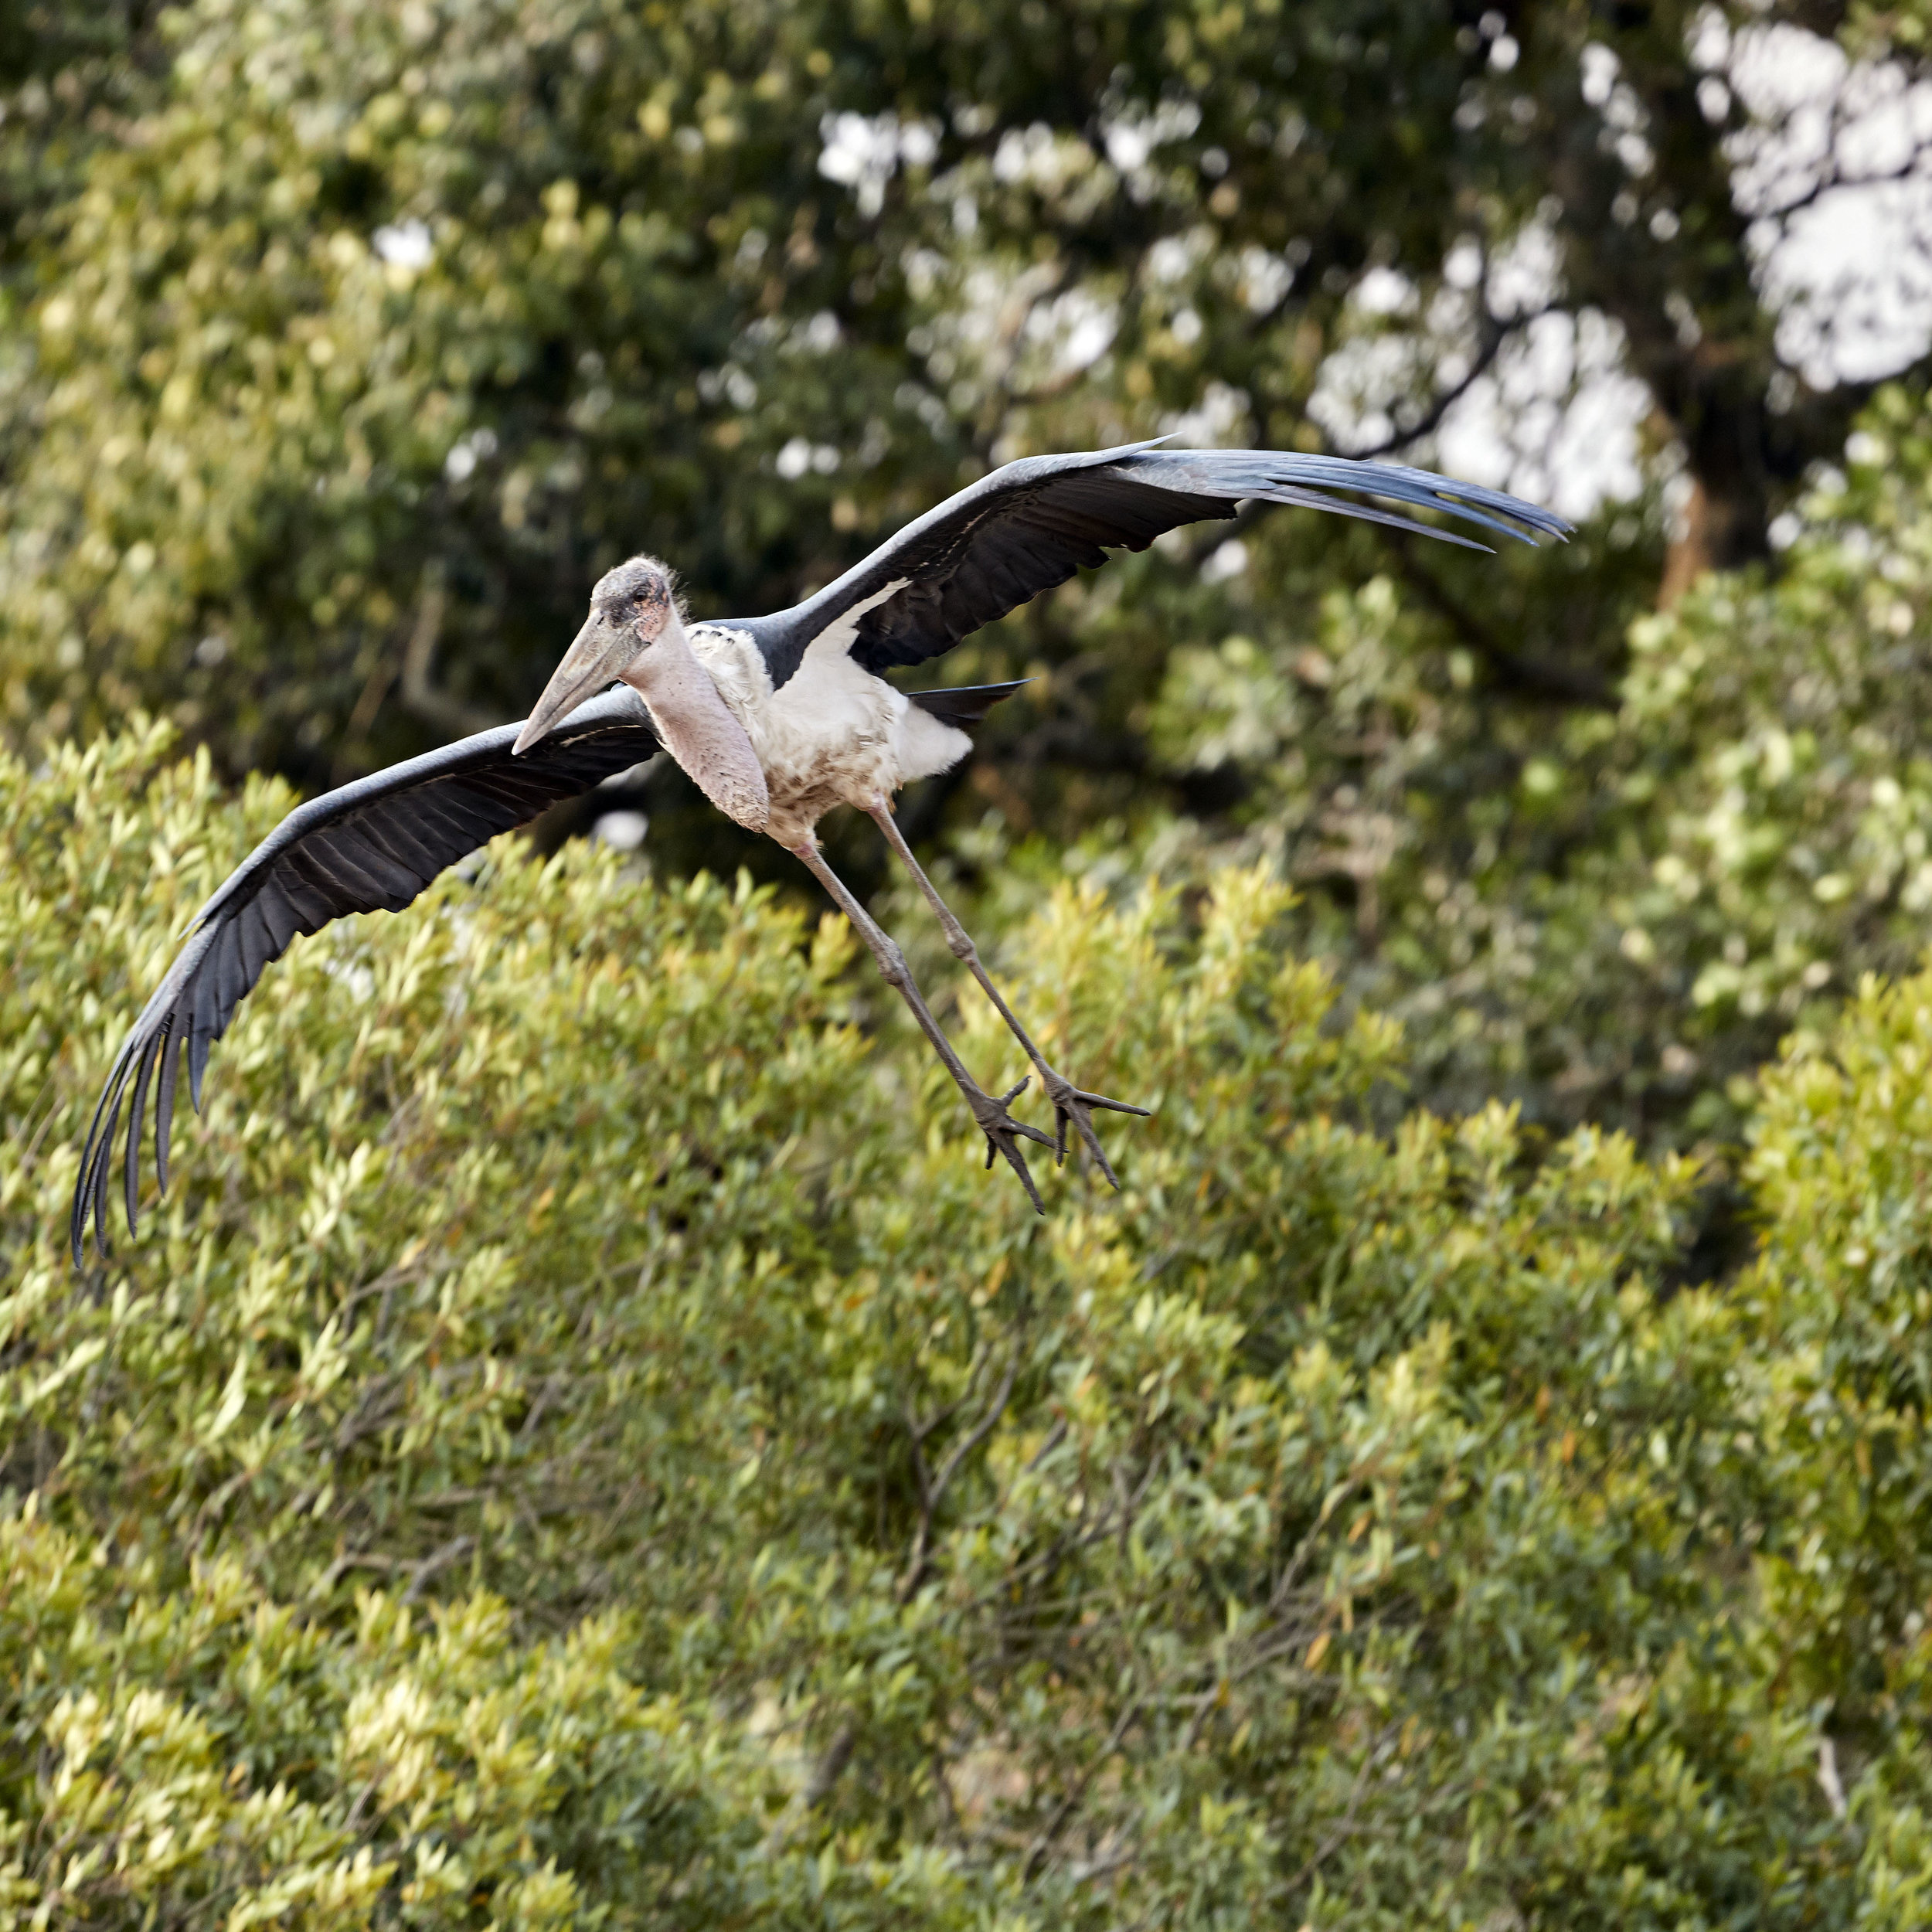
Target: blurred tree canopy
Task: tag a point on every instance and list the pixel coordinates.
(583, 1443)
(344, 344)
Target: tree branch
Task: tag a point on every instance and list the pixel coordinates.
(980, 1431)
(1493, 334)
(1912, 169)
(438, 1560)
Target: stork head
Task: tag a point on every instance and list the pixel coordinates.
(635, 632)
(631, 607)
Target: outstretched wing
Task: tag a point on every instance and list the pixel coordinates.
(372, 845)
(1032, 524)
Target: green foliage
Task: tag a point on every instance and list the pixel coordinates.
(244, 433)
(583, 1442)
(1627, 926)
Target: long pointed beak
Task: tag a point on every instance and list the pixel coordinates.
(598, 654)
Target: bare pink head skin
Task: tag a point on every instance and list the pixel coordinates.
(635, 632)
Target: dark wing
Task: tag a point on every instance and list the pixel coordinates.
(370, 846)
(1032, 524)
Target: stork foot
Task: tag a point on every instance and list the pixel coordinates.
(1074, 1103)
(1004, 1133)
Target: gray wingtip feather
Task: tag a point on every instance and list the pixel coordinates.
(1368, 513)
(103, 1162)
(164, 1104)
(198, 1044)
(77, 1221)
(1264, 475)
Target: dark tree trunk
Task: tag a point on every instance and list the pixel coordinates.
(1665, 253)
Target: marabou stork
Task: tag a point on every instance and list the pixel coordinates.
(777, 718)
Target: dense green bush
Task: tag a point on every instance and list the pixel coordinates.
(583, 1442)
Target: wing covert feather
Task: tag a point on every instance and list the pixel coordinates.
(1030, 525)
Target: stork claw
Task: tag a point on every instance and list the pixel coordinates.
(1074, 1103)
(1004, 1133)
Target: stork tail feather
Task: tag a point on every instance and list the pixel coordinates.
(966, 704)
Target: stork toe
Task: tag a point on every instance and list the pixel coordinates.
(1004, 1134)
(1075, 1104)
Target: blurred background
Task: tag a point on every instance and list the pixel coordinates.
(344, 345)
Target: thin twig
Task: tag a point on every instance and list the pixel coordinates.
(355, 1560)
(981, 1430)
(827, 1772)
(1055, 1436)
(1493, 334)
(1370, 1759)
(1910, 169)
(553, 1386)
(455, 1547)
(932, 1491)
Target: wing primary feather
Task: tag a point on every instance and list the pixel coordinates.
(102, 1160)
(400, 843)
(436, 813)
(1237, 473)
(278, 914)
(225, 964)
(136, 1110)
(165, 1099)
(305, 899)
(260, 942)
(353, 886)
(96, 1182)
(90, 1148)
(1408, 484)
(392, 886)
(1368, 513)
(199, 1038)
(83, 1190)
(1342, 506)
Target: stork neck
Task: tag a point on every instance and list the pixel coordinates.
(697, 727)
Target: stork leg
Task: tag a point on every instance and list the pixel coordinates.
(1003, 1133)
(1070, 1103)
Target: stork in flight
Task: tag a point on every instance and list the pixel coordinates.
(777, 718)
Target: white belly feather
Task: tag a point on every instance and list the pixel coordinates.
(834, 734)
